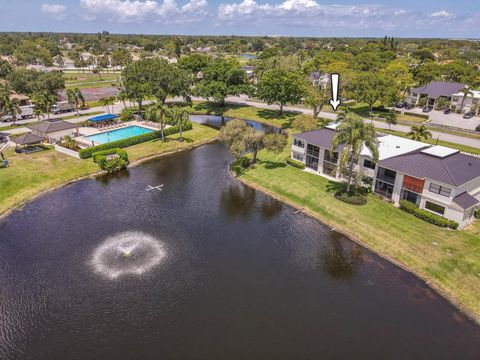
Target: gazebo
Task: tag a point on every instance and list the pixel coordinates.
(100, 119)
(28, 139)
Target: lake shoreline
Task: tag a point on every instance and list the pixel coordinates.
(333, 227)
(99, 173)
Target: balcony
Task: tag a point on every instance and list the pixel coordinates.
(386, 176)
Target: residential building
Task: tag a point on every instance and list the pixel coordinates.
(433, 91)
(470, 103)
(438, 179)
(435, 178)
(55, 130)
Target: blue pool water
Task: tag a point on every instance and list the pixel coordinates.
(119, 134)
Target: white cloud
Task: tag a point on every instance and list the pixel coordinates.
(54, 10)
(441, 14)
(140, 11)
(310, 13)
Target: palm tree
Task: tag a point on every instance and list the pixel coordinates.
(38, 113)
(354, 133)
(466, 91)
(156, 112)
(75, 97)
(419, 133)
(179, 115)
(13, 108)
(107, 101)
(44, 101)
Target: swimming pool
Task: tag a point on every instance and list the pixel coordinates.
(119, 134)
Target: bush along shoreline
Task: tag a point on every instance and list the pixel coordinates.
(88, 152)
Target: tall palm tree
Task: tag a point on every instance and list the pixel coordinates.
(354, 133)
(179, 115)
(156, 112)
(75, 97)
(419, 133)
(466, 91)
(107, 101)
(13, 108)
(44, 100)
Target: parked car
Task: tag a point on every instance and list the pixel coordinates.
(401, 105)
(427, 109)
(409, 106)
(447, 111)
(468, 115)
(477, 128)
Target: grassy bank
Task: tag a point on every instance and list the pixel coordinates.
(450, 260)
(35, 173)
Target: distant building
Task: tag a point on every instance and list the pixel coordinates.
(470, 103)
(433, 91)
(319, 79)
(55, 130)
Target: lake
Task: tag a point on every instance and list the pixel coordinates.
(204, 268)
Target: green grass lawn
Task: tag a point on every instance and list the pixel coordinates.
(266, 116)
(73, 78)
(31, 174)
(449, 259)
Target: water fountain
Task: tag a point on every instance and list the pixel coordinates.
(131, 252)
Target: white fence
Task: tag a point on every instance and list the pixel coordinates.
(66, 151)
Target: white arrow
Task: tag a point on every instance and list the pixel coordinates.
(335, 82)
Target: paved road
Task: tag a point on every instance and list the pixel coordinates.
(378, 124)
(244, 100)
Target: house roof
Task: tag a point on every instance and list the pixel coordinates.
(47, 127)
(391, 145)
(456, 169)
(439, 88)
(321, 137)
(465, 200)
(27, 139)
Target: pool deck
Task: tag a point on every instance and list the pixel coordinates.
(89, 131)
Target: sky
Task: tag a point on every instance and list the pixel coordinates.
(349, 18)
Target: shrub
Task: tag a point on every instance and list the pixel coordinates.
(240, 165)
(87, 153)
(477, 213)
(427, 215)
(128, 114)
(295, 163)
(103, 154)
(111, 165)
(352, 197)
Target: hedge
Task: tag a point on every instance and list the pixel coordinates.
(103, 154)
(295, 163)
(87, 152)
(427, 215)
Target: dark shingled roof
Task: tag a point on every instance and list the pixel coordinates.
(53, 126)
(456, 169)
(321, 137)
(465, 200)
(27, 139)
(439, 88)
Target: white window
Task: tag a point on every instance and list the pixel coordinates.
(438, 189)
(297, 156)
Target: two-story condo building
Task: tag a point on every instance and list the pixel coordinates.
(435, 178)
(470, 103)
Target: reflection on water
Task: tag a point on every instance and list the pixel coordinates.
(205, 269)
(341, 259)
(237, 200)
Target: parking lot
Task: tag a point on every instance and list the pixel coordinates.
(452, 119)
